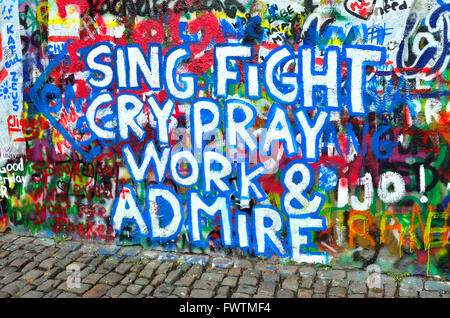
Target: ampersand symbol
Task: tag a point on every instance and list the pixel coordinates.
(298, 179)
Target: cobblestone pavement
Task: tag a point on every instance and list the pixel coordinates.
(37, 267)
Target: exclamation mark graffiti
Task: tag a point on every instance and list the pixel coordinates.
(3, 71)
(423, 198)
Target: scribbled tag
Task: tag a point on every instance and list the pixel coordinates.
(361, 9)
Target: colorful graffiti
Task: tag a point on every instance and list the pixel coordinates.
(310, 131)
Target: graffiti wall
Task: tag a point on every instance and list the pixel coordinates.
(308, 131)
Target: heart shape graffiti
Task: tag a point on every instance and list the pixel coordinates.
(361, 9)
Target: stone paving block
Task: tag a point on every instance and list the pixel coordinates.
(221, 262)
(331, 274)
(428, 294)
(195, 271)
(246, 289)
(63, 263)
(201, 293)
(29, 266)
(20, 262)
(224, 291)
(23, 240)
(304, 293)
(52, 294)
(204, 284)
(390, 290)
(357, 275)
(240, 295)
(123, 268)
(97, 260)
(340, 283)
(97, 291)
(33, 294)
(437, 285)
(80, 290)
(147, 290)
(267, 288)
(307, 282)
(24, 290)
(50, 251)
(87, 271)
(129, 251)
(230, 281)
(413, 283)
(129, 278)
(358, 287)
(306, 271)
(44, 241)
(163, 291)
(201, 260)
(7, 270)
(85, 259)
(48, 263)
(285, 293)
(134, 289)
(319, 296)
(153, 263)
(375, 294)
(48, 285)
(88, 248)
(69, 245)
(138, 267)
(158, 279)
(212, 277)
(235, 271)
(184, 267)
(67, 295)
(271, 277)
(185, 281)
(409, 293)
(265, 267)
(252, 273)
(320, 286)
(147, 272)
(242, 263)
(173, 276)
(164, 268)
(132, 260)
(181, 292)
(338, 292)
(92, 278)
(290, 284)
(356, 296)
(287, 271)
(386, 279)
(14, 287)
(10, 278)
(52, 273)
(32, 275)
(111, 278)
(248, 280)
(61, 253)
(142, 281)
(116, 291)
